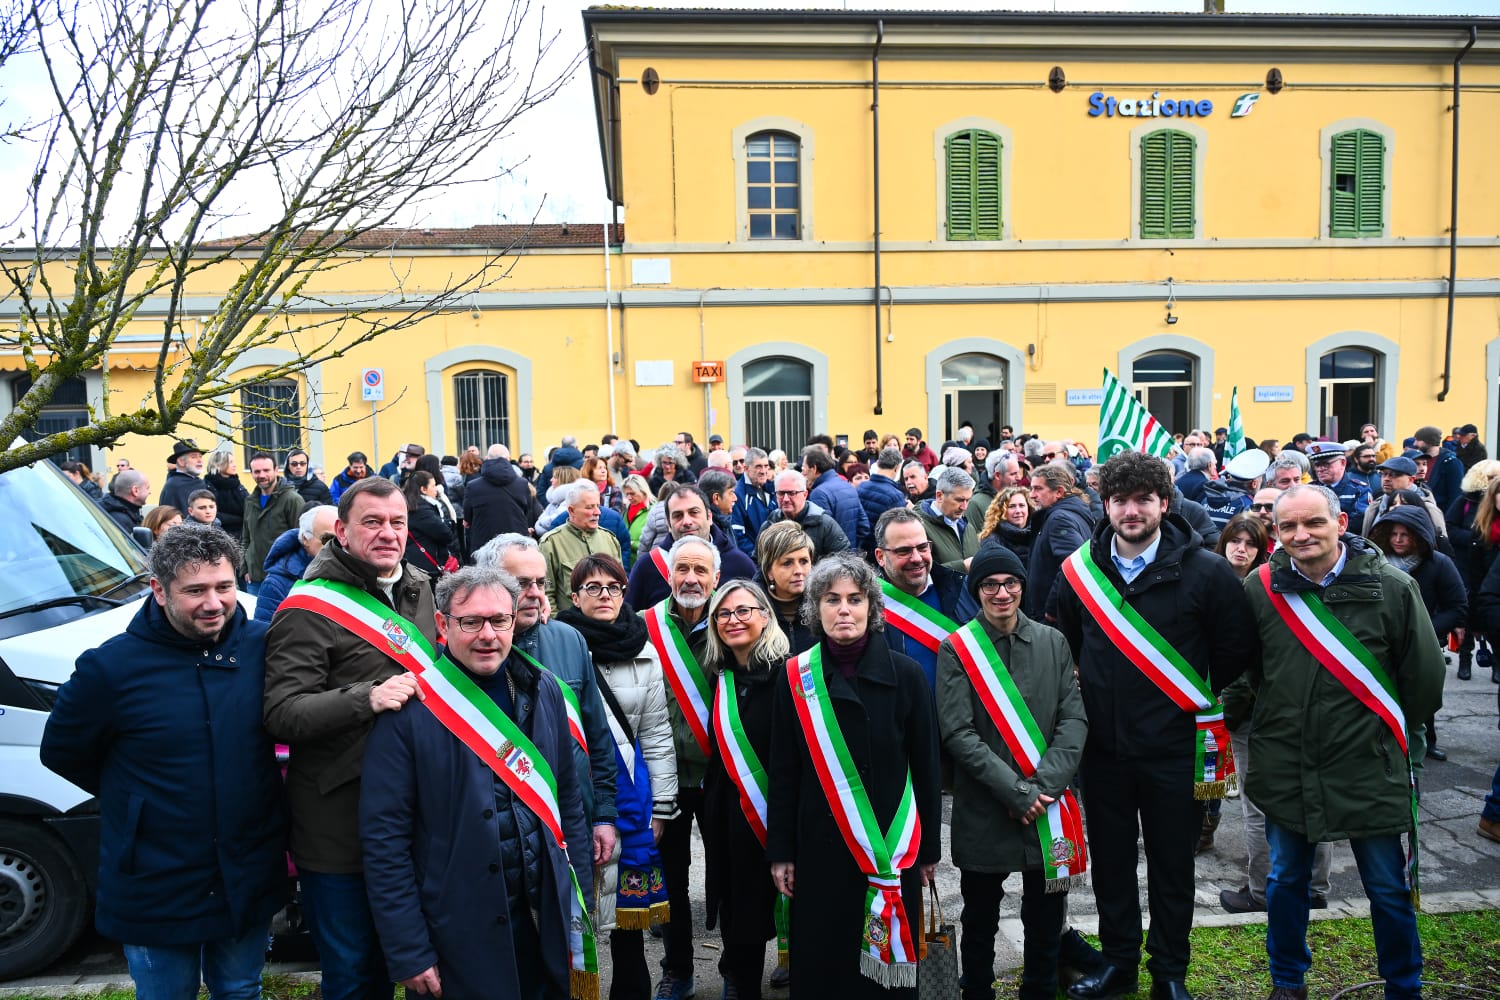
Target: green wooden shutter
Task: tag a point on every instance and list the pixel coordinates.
(973, 185)
(1356, 205)
(1167, 186)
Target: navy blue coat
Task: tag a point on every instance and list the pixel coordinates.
(878, 495)
(166, 731)
(837, 496)
(285, 564)
(432, 847)
(752, 508)
(648, 587)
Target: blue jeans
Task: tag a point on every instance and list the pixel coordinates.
(338, 918)
(231, 968)
(1382, 869)
(1491, 809)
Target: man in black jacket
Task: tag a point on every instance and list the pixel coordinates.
(1138, 764)
(1062, 523)
(497, 501)
(298, 474)
(127, 496)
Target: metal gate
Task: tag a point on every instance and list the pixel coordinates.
(784, 423)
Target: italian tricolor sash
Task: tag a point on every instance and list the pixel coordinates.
(659, 558)
(1355, 667)
(690, 685)
(889, 955)
(749, 776)
(1060, 828)
(472, 716)
(1163, 665)
(915, 617)
(570, 701)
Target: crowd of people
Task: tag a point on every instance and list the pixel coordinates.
(508, 692)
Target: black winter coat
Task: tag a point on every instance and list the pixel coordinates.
(166, 731)
(435, 869)
(177, 488)
(887, 717)
(824, 532)
(496, 502)
(121, 511)
(1443, 591)
(1058, 531)
(1198, 605)
(428, 529)
(311, 489)
(740, 892)
(1007, 535)
(231, 495)
(878, 495)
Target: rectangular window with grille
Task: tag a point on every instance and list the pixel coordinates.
(271, 415)
(482, 405)
(1168, 186)
(1357, 187)
(973, 185)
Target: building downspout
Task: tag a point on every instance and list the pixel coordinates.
(609, 332)
(1453, 220)
(875, 112)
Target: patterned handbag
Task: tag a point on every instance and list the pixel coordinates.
(937, 970)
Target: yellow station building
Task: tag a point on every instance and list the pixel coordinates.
(887, 220)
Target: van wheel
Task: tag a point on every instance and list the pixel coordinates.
(43, 899)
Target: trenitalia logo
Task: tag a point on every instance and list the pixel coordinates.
(1243, 105)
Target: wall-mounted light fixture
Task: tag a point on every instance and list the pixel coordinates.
(1171, 301)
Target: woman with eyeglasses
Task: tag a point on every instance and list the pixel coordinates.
(786, 554)
(853, 709)
(1007, 522)
(670, 466)
(746, 653)
(633, 894)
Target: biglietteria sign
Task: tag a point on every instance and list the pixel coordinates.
(1156, 106)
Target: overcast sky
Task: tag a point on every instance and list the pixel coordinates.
(554, 151)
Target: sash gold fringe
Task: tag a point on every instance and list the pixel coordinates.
(897, 975)
(1416, 899)
(783, 960)
(583, 985)
(1205, 790)
(633, 919)
(661, 912)
(1064, 884)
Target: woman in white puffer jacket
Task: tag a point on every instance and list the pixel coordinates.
(630, 889)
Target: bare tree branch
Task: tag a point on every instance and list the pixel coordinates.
(312, 126)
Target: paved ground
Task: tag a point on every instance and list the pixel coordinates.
(1460, 870)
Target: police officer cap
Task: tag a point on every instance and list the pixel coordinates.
(1320, 451)
(1248, 465)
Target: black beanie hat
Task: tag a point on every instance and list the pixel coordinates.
(992, 559)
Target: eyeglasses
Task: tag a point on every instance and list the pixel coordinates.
(790, 493)
(473, 623)
(530, 582)
(600, 589)
(737, 461)
(907, 551)
(743, 613)
(1263, 506)
(122, 465)
(989, 588)
(1049, 454)
(294, 462)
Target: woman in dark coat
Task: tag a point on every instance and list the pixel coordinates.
(429, 536)
(884, 710)
(1007, 522)
(221, 476)
(1474, 532)
(747, 651)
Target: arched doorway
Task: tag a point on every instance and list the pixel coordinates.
(1347, 385)
(1166, 383)
(778, 403)
(974, 391)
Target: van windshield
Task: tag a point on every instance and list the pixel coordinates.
(57, 543)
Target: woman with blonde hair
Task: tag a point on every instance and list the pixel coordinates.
(746, 653)
(1007, 522)
(785, 555)
(638, 500)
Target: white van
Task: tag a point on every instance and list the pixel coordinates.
(69, 580)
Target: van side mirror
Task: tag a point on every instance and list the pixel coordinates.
(142, 537)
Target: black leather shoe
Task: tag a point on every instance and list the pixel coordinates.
(1112, 982)
(1169, 989)
(1437, 753)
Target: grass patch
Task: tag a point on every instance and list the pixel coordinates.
(272, 988)
(1229, 963)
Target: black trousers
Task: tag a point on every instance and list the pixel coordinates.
(676, 846)
(1151, 798)
(630, 978)
(1042, 918)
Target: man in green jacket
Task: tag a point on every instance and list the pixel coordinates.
(1000, 798)
(1340, 630)
(273, 508)
(953, 535)
(578, 536)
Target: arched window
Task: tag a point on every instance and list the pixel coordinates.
(1167, 383)
(271, 415)
(1348, 383)
(481, 404)
(974, 390)
(66, 410)
(778, 403)
(773, 186)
